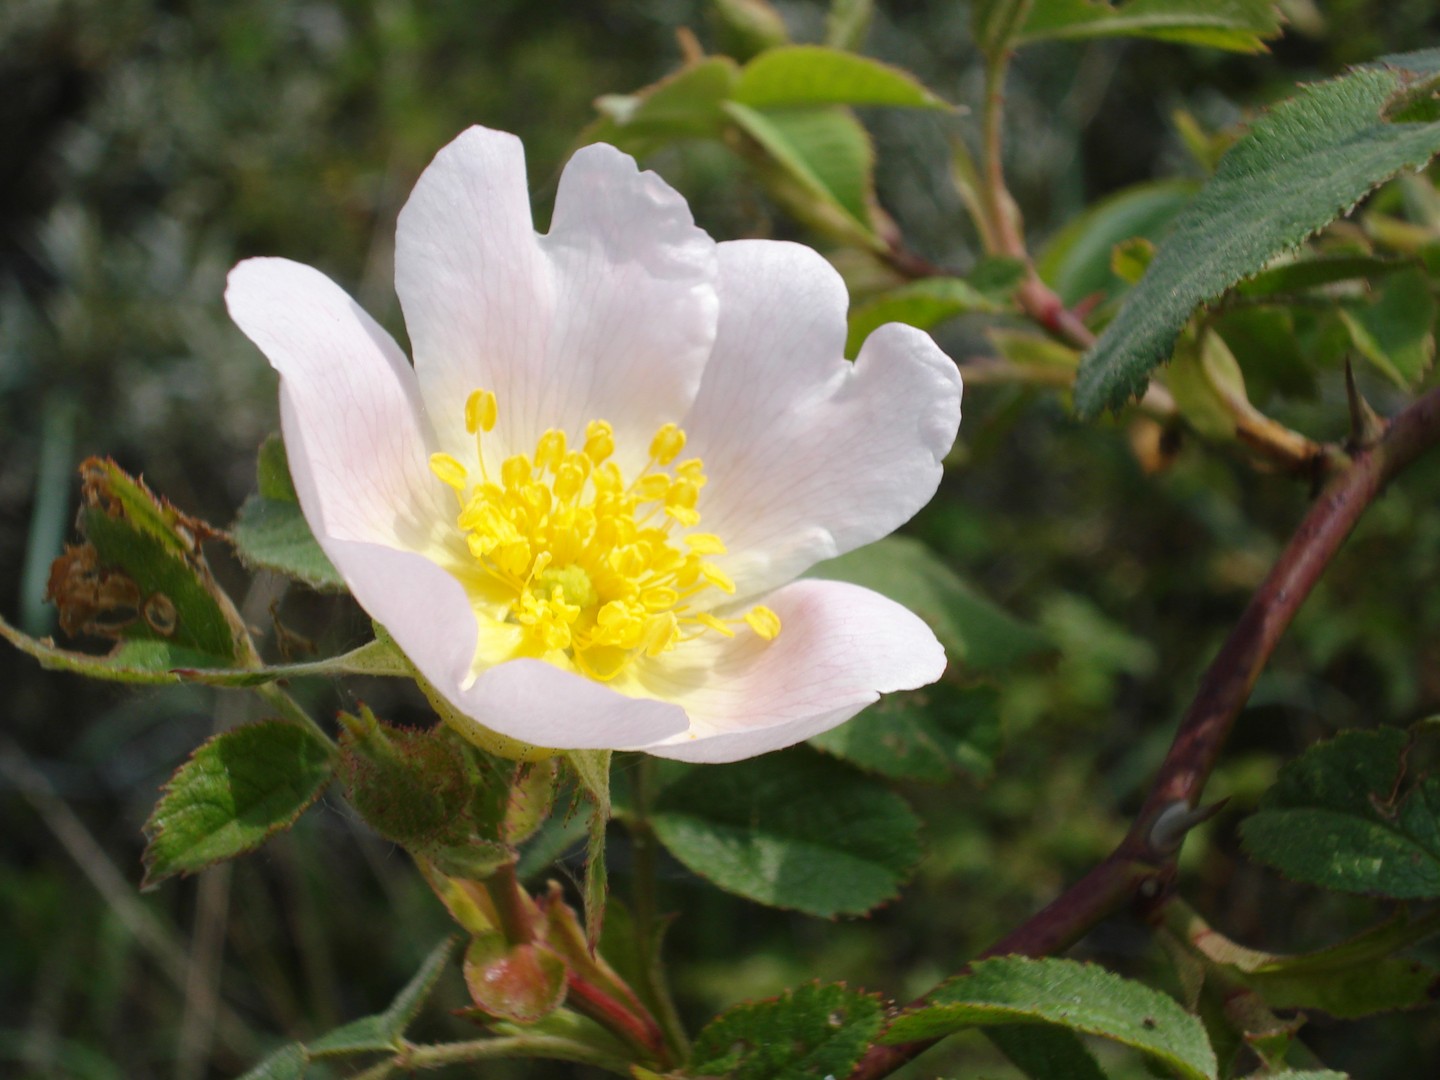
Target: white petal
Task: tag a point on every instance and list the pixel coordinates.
(351, 413)
(428, 614)
(809, 455)
(840, 647)
(610, 316)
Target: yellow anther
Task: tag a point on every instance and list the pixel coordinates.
(450, 471)
(481, 409)
(705, 544)
(717, 577)
(764, 622)
(607, 479)
(706, 619)
(667, 444)
(568, 481)
(599, 441)
(652, 487)
(550, 450)
(659, 598)
(571, 551)
(515, 472)
(661, 634)
(683, 493)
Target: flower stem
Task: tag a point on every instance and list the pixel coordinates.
(656, 988)
(554, 1047)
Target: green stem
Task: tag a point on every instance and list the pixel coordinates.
(554, 1047)
(656, 988)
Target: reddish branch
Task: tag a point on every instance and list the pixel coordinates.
(1141, 870)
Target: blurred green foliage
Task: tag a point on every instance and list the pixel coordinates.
(152, 144)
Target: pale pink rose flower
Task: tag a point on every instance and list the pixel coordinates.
(632, 585)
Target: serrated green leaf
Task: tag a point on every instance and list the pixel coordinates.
(1299, 167)
(237, 790)
(1236, 25)
(923, 303)
(811, 1031)
(827, 155)
(1081, 997)
(791, 830)
(973, 630)
(685, 105)
(272, 534)
(1046, 1052)
(287, 1063)
(1076, 262)
(1396, 331)
(383, 1032)
(794, 76)
(928, 734)
(1332, 819)
(142, 575)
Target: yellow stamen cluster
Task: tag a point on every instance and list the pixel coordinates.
(588, 564)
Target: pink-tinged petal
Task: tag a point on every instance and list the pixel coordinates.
(609, 316)
(840, 648)
(350, 409)
(429, 616)
(809, 455)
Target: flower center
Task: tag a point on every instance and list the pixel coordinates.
(585, 562)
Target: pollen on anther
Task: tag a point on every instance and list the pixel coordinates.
(449, 470)
(667, 444)
(763, 621)
(481, 409)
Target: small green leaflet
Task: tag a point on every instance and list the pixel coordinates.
(1236, 25)
(378, 1034)
(274, 535)
(825, 153)
(1336, 818)
(1081, 997)
(811, 1031)
(685, 105)
(791, 830)
(271, 532)
(799, 75)
(287, 1063)
(923, 303)
(1306, 162)
(237, 790)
